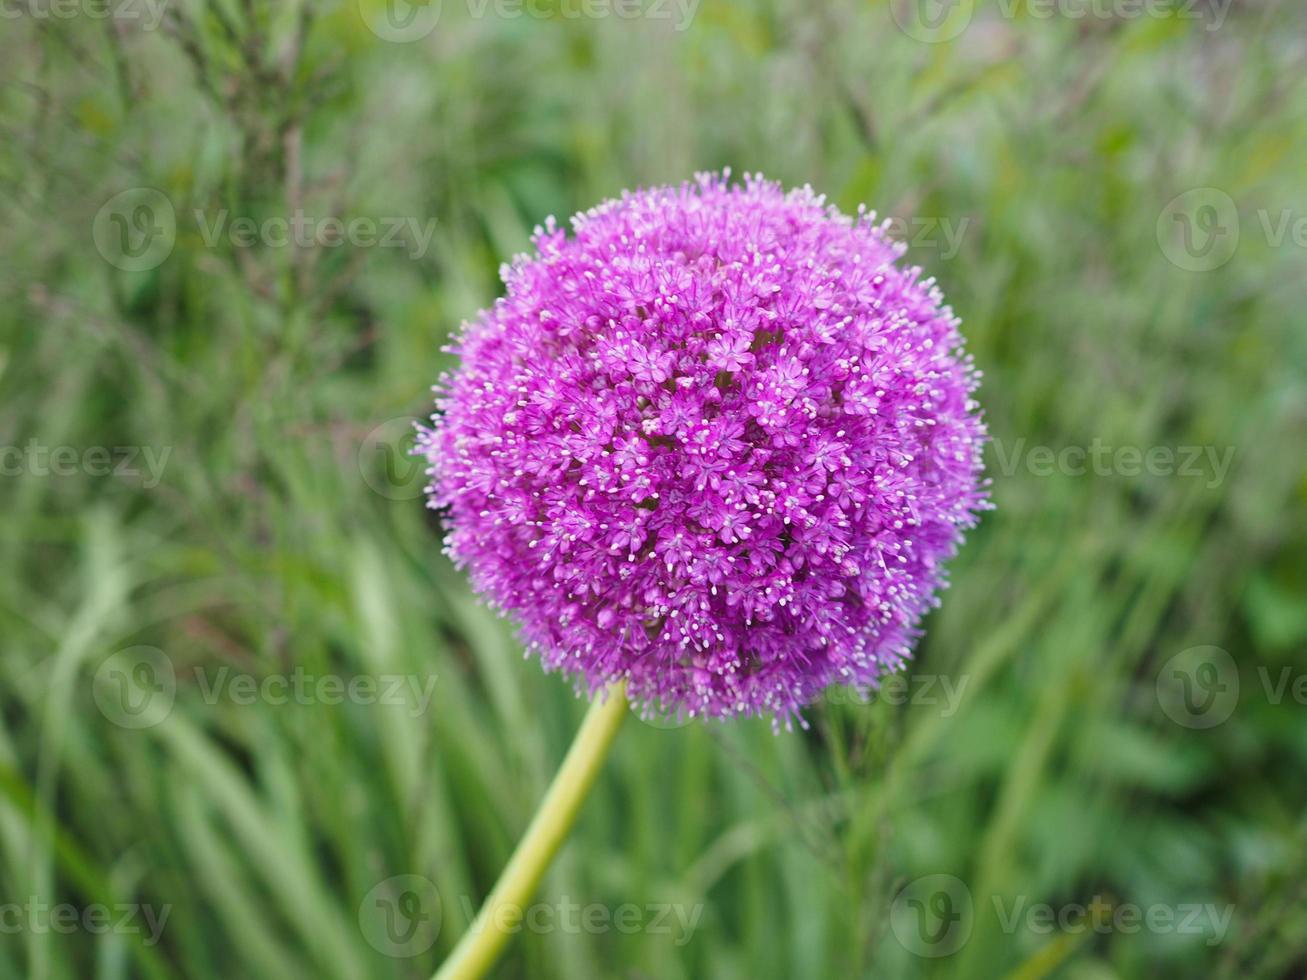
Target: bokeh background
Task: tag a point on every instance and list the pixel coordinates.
(255, 725)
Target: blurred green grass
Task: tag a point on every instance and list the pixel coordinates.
(285, 531)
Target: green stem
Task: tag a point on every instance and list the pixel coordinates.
(481, 944)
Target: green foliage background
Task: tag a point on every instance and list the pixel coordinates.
(1053, 142)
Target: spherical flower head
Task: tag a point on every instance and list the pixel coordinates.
(717, 443)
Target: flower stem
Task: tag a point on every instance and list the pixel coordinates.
(481, 944)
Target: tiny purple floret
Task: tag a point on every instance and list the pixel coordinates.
(717, 443)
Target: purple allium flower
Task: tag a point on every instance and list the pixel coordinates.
(717, 443)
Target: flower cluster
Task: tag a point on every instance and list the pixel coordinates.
(717, 443)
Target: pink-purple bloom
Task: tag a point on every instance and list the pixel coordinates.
(717, 443)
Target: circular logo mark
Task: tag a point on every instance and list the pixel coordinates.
(136, 229)
(400, 21)
(932, 916)
(136, 687)
(1199, 687)
(932, 21)
(400, 917)
(1199, 230)
(387, 463)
